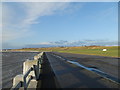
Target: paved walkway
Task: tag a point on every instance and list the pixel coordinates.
(108, 65)
(71, 76)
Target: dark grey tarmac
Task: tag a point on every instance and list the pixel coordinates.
(58, 73)
(108, 65)
(72, 76)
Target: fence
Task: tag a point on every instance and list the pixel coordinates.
(31, 73)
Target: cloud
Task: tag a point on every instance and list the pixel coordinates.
(45, 43)
(17, 21)
(74, 43)
(10, 28)
(61, 42)
(64, 43)
(36, 10)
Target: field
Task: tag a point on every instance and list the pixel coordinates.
(112, 51)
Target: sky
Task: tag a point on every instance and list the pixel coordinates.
(35, 24)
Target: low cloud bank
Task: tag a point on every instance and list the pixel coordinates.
(74, 43)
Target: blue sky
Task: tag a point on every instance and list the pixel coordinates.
(71, 23)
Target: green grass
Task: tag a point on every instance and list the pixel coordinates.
(112, 51)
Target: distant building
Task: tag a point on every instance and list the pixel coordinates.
(104, 50)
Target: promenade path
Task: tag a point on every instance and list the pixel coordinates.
(57, 73)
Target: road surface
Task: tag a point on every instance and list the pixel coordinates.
(105, 64)
(71, 76)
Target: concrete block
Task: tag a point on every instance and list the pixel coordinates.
(28, 64)
(17, 79)
(33, 84)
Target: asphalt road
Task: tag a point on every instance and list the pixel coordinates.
(108, 65)
(12, 64)
(67, 75)
(72, 76)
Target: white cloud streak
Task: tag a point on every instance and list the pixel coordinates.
(82, 42)
(74, 43)
(10, 30)
(36, 10)
(16, 26)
